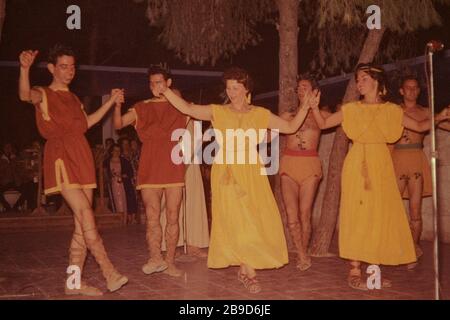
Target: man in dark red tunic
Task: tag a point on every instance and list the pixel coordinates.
(155, 120)
(68, 162)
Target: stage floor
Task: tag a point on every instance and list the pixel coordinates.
(32, 266)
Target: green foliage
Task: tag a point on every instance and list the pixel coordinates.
(202, 31)
(339, 26)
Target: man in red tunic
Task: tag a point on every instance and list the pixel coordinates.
(68, 162)
(155, 120)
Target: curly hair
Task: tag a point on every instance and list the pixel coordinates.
(308, 77)
(240, 75)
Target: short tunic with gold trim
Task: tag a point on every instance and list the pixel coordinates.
(68, 158)
(155, 123)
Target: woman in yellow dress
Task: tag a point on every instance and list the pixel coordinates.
(246, 225)
(373, 225)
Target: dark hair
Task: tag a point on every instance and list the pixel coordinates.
(376, 73)
(57, 51)
(409, 77)
(308, 77)
(240, 75)
(135, 140)
(158, 69)
(115, 145)
(123, 139)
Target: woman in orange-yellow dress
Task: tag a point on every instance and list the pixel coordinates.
(246, 225)
(373, 225)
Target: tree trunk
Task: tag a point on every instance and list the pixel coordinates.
(2, 16)
(288, 55)
(323, 235)
(288, 60)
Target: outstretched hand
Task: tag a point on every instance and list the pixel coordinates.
(27, 58)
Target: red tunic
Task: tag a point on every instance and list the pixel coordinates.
(67, 156)
(155, 122)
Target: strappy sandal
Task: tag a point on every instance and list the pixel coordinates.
(386, 283)
(251, 284)
(356, 282)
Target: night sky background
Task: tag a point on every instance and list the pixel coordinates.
(125, 39)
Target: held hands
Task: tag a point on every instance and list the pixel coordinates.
(162, 91)
(117, 96)
(312, 100)
(315, 99)
(27, 58)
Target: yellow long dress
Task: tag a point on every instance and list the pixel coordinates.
(373, 223)
(246, 224)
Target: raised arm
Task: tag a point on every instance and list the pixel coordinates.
(122, 121)
(326, 119)
(288, 126)
(418, 126)
(291, 126)
(331, 121)
(116, 97)
(195, 111)
(424, 125)
(27, 94)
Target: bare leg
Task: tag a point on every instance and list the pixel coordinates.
(152, 201)
(415, 188)
(174, 197)
(80, 203)
(308, 191)
(290, 191)
(402, 182)
(77, 256)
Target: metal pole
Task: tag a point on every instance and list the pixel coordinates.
(434, 157)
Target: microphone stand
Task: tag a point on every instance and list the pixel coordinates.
(434, 156)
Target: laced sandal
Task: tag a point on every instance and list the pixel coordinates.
(386, 283)
(251, 284)
(356, 282)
